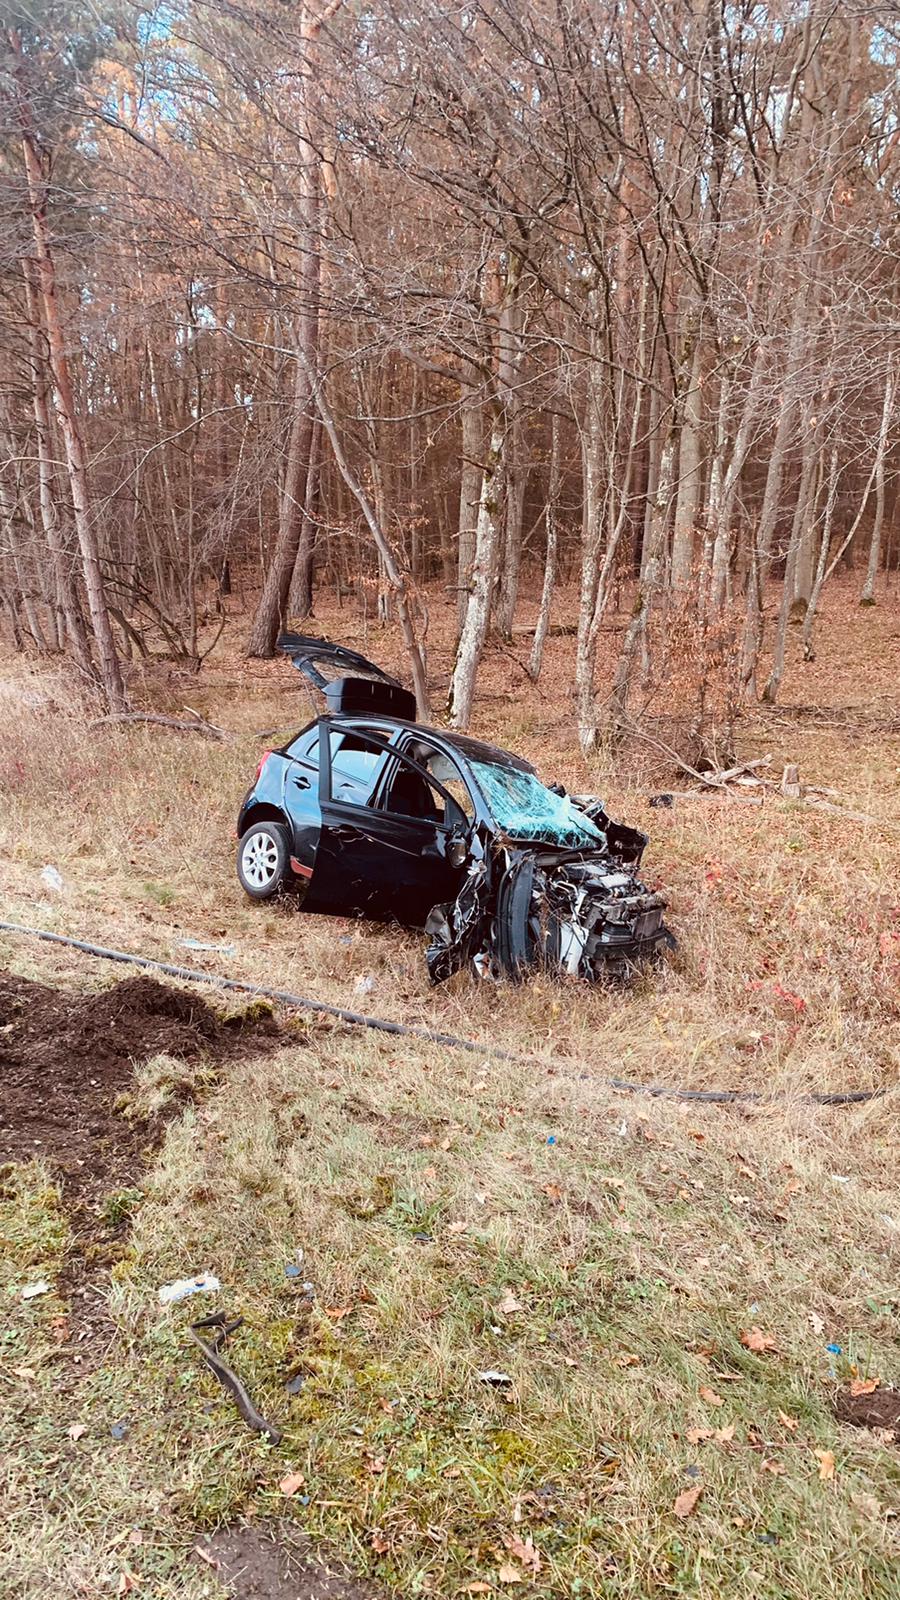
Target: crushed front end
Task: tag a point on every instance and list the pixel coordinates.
(531, 905)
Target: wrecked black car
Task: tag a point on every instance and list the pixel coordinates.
(367, 812)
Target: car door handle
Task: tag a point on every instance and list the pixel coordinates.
(346, 834)
(301, 782)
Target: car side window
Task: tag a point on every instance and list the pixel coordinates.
(306, 747)
(355, 767)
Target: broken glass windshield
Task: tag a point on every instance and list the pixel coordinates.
(525, 809)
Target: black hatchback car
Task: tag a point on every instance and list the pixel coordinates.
(369, 813)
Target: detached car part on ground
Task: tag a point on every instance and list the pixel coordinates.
(368, 813)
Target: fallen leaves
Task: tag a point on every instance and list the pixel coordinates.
(509, 1305)
(791, 1423)
(686, 1502)
(510, 1573)
(293, 1482)
(826, 1462)
(709, 1396)
(775, 1467)
(864, 1386)
(524, 1551)
(77, 1429)
(816, 1322)
(757, 1341)
(477, 1587)
(703, 1435)
(379, 1543)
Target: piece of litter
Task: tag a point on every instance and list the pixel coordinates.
(200, 944)
(295, 1385)
(838, 1177)
(119, 1430)
(52, 878)
(551, 1138)
(77, 1429)
(203, 1283)
(291, 1271)
(32, 1289)
(834, 1349)
(498, 1379)
(364, 985)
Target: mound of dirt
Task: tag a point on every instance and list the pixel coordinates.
(65, 1059)
(881, 1409)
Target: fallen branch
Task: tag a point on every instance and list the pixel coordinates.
(709, 780)
(208, 730)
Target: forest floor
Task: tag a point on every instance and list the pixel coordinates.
(695, 1306)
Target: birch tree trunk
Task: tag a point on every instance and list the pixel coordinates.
(488, 529)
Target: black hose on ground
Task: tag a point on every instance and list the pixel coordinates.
(359, 1019)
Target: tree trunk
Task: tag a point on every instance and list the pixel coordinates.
(802, 516)
(512, 536)
(469, 490)
(550, 555)
(300, 602)
(689, 463)
(487, 547)
(64, 397)
(867, 598)
(273, 601)
(66, 591)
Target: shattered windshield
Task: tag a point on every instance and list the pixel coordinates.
(525, 809)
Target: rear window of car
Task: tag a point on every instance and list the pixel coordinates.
(305, 747)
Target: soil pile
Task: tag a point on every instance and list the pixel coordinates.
(66, 1058)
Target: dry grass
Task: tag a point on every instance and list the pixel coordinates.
(421, 1187)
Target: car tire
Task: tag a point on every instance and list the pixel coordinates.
(263, 860)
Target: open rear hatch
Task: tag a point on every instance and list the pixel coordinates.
(347, 680)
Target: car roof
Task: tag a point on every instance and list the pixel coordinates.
(470, 749)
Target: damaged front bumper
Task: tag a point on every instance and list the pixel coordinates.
(583, 914)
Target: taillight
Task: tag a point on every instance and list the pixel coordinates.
(263, 759)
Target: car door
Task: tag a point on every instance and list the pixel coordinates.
(357, 858)
(382, 853)
(433, 822)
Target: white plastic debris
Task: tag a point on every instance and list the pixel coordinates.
(203, 1283)
(51, 877)
(199, 944)
(364, 985)
(498, 1379)
(32, 1289)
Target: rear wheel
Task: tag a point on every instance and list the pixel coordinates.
(263, 860)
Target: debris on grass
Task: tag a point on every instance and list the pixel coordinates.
(201, 1283)
(32, 1290)
(220, 1327)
